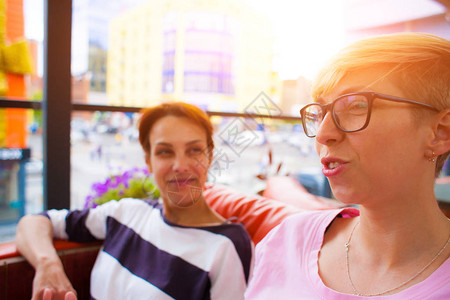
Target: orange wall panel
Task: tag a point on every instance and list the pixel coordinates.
(16, 119)
(14, 20)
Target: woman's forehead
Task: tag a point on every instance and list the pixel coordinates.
(363, 80)
(172, 128)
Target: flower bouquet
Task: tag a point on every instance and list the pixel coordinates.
(134, 183)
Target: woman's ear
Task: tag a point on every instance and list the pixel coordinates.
(210, 156)
(441, 141)
(148, 163)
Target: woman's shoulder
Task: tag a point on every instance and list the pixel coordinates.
(138, 204)
(307, 224)
(235, 232)
(306, 219)
(129, 209)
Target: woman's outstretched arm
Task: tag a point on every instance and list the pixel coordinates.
(35, 242)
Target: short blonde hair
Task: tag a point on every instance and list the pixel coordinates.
(419, 63)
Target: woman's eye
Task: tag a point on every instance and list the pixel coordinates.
(357, 106)
(195, 150)
(163, 152)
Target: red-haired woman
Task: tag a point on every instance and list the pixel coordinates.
(180, 249)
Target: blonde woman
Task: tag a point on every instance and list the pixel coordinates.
(381, 120)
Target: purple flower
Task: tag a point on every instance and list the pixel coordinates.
(90, 203)
(120, 183)
(100, 188)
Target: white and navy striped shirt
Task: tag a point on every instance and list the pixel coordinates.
(145, 256)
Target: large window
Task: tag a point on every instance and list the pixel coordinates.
(120, 55)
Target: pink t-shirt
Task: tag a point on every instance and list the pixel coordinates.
(286, 264)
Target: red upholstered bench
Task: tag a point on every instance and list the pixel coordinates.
(259, 215)
(16, 274)
(282, 197)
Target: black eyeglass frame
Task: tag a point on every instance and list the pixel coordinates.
(371, 96)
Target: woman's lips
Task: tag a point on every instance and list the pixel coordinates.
(182, 182)
(332, 166)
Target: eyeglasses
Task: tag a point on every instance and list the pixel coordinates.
(351, 112)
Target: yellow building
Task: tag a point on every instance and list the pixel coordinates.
(216, 54)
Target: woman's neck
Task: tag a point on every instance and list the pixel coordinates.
(397, 235)
(199, 214)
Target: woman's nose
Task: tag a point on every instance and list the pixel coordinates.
(328, 132)
(181, 164)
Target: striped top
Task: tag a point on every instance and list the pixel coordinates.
(145, 256)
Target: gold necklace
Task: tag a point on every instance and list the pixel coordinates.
(347, 245)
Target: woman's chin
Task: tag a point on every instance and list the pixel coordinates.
(185, 198)
(345, 195)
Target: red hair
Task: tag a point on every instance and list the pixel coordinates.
(178, 109)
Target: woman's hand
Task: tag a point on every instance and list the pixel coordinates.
(51, 282)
